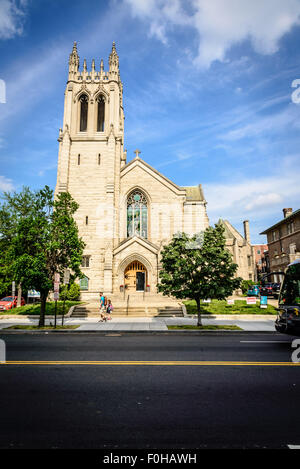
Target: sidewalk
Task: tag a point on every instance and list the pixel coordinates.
(245, 322)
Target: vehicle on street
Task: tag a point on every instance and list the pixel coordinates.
(288, 318)
(253, 290)
(276, 289)
(10, 302)
(266, 289)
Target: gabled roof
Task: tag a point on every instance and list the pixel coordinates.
(296, 212)
(136, 239)
(230, 231)
(192, 193)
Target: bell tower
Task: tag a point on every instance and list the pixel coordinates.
(91, 154)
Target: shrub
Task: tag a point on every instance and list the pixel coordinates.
(71, 293)
(246, 284)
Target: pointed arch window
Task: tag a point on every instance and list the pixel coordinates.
(137, 215)
(83, 112)
(100, 113)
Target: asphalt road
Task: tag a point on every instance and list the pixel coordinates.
(176, 402)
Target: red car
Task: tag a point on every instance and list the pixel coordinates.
(10, 302)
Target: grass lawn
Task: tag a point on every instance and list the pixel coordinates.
(221, 307)
(37, 328)
(210, 328)
(36, 309)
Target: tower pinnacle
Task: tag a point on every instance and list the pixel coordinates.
(113, 62)
(73, 61)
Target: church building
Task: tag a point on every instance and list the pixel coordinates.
(127, 210)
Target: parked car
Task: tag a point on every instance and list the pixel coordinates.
(253, 290)
(276, 289)
(10, 302)
(266, 289)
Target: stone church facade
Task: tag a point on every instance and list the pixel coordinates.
(127, 211)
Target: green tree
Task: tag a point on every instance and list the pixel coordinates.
(15, 206)
(45, 241)
(198, 267)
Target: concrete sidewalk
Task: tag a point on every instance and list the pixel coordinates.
(246, 323)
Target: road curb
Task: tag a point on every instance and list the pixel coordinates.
(123, 332)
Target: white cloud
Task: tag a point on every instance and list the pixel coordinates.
(264, 199)
(255, 197)
(221, 24)
(5, 184)
(12, 17)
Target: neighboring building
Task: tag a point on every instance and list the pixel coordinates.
(127, 211)
(241, 250)
(261, 259)
(284, 240)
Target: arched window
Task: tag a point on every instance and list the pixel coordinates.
(100, 114)
(83, 112)
(137, 214)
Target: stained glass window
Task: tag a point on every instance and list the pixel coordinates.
(137, 215)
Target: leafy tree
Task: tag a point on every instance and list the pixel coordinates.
(44, 241)
(13, 209)
(198, 267)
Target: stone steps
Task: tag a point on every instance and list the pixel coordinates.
(132, 311)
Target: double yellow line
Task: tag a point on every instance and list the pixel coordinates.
(147, 363)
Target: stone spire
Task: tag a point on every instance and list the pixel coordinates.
(113, 63)
(73, 62)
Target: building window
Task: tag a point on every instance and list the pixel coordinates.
(86, 220)
(100, 113)
(78, 160)
(83, 112)
(258, 252)
(99, 159)
(274, 236)
(290, 228)
(137, 215)
(84, 283)
(85, 261)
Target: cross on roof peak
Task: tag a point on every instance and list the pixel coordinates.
(137, 152)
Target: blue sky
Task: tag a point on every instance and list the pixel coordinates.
(207, 94)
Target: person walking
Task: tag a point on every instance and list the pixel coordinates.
(109, 309)
(102, 307)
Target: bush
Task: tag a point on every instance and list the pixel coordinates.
(71, 293)
(246, 284)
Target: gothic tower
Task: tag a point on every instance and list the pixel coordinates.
(91, 154)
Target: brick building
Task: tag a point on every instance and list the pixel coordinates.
(261, 259)
(284, 240)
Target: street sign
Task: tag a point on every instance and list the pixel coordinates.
(56, 296)
(56, 277)
(230, 302)
(56, 286)
(207, 301)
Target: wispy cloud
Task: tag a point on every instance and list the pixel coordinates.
(6, 184)
(256, 196)
(12, 18)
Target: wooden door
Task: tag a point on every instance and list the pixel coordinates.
(131, 275)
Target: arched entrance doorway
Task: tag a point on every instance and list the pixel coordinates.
(135, 277)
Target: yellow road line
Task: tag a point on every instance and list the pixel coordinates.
(150, 363)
